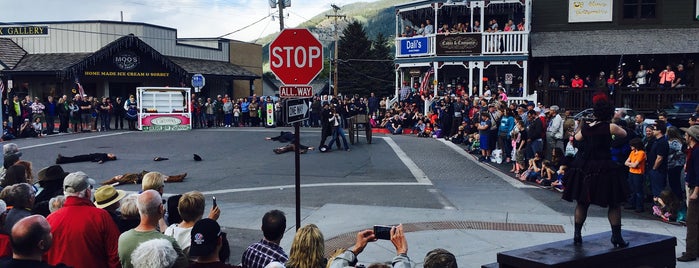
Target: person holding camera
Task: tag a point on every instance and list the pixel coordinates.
(348, 258)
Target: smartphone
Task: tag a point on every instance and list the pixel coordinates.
(382, 232)
(214, 198)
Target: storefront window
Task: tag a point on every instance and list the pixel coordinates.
(639, 9)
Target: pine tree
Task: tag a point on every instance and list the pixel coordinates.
(365, 66)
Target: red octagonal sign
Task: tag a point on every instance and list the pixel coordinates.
(296, 56)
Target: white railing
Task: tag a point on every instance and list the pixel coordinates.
(505, 43)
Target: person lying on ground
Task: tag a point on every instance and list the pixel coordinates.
(137, 178)
(94, 157)
(285, 136)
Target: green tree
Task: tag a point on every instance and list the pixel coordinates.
(382, 70)
(365, 66)
(354, 49)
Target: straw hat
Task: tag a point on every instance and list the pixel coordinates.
(107, 195)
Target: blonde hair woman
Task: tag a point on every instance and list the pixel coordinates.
(307, 249)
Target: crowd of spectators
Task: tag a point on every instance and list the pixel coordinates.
(670, 77)
(61, 221)
(426, 27)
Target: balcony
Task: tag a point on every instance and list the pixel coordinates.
(463, 44)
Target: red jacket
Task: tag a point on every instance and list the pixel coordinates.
(83, 236)
(5, 248)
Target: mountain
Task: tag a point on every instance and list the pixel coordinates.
(377, 17)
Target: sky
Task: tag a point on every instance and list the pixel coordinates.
(247, 20)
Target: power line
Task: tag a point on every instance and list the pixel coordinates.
(245, 27)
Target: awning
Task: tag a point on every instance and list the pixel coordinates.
(52, 62)
(10, 53)
(615, 42)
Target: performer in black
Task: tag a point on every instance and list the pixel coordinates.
(326, 128)
(95, 157)
(285, 136)
(594, 178)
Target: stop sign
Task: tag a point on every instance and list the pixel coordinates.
(296, 56)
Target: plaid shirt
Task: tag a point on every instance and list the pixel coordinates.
(260, 254)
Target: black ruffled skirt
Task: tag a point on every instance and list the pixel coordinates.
(599, 182)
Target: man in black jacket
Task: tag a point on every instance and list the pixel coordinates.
(535, 133)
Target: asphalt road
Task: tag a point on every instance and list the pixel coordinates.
(248, 179)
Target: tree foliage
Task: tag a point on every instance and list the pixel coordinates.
(364, 65)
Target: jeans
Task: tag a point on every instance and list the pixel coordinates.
(228, 118)
(395, 131)
(338, 132)
(658, 180)
(636, 184)
(534, 147)
(236, 121)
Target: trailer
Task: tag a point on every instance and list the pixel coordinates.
(164, 108)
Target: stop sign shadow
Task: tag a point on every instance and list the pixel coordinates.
(296, 57)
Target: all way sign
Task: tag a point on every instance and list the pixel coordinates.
(296, 92)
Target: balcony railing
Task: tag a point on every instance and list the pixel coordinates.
(463, 44)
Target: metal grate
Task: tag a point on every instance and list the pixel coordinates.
(347, 240)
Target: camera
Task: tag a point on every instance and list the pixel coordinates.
(382, 232)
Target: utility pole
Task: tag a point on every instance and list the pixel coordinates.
(336, 16)
(281, 14)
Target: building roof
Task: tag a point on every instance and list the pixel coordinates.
(10, 53)
(615, 42)
(48, 62)
(210, 67)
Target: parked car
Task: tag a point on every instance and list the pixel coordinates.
(679, 112)
(629, 115)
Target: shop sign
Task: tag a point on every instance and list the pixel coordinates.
(126, 60)
(589, 10)
(413, 46)
(458, 44)
(165, 123)
(126, 74)
(24, 30)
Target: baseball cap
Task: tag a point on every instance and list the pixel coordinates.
(77, 182)
(205, 234)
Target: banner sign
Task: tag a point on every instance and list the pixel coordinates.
(458, 44)
(589, 10)
(23, 30)
(413, 46)
(165, 122)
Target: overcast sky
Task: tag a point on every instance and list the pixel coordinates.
(191, 18)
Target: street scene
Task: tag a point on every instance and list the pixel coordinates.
(381, 133)
(450, 199)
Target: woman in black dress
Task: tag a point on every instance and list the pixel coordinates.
(594, 178)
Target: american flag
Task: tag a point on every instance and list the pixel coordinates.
(81, 90)
(425, 80)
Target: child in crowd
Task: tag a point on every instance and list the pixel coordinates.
(547, 178)
(515, 137)
(459, 137)
(437, 132)
(520, 148)
(38, 127)
(637, 165)
(534, 169)
(483, 129)
(667, 207)
(558, 183)
(419, 127)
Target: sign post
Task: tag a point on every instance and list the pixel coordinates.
(296, 58)
(198, 82)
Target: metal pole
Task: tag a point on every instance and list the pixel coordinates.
(281, 14)
(335, 63)
(297, 165)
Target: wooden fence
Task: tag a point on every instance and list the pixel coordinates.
(643, 100)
